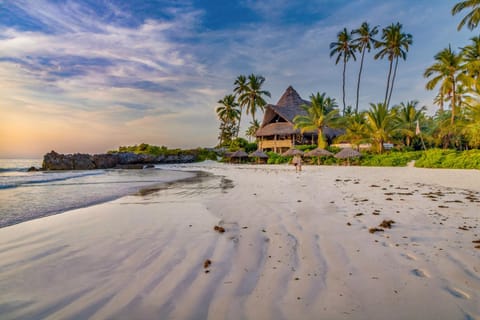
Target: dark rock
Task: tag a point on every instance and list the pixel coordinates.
(105, 161)
(121, 160)
(83, 162)
(32, 169)
(56, 161)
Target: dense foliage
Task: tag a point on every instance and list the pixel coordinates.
(438, 158)
(145, 148)
(454, 128)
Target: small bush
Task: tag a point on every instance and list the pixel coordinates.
(452, 159)
(275, 158)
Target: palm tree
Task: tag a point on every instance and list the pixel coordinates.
(472, 18)
(240, 86)
(380, 124)
(229, 113)
(364, 43)
(254, 126)
(344, 49)
(471, 57)
(355, 130)
(448, 70)
(394, 45)
(407, 116)
(320, 113)
(472, 127)
(253, 95)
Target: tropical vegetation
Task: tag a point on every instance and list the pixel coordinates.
(448, 138)
(321, 113)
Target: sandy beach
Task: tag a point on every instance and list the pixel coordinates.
(295, 246)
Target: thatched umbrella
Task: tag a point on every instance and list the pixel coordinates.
(239, 154)
(348, 153)
(318, 152)
(259, 154)
(292, 152)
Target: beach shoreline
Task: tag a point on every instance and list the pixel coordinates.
(295, 244)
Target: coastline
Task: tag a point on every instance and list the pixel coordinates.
(295, 244)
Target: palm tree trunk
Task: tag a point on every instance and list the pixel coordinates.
(393, 80)
(320, 141)
(343, 84)
(452, 119)
(388, 82)
(239, 121)
(358, 83)
(441, 102)
(252, 107)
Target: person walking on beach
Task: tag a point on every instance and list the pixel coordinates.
(297, 162)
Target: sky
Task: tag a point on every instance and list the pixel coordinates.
(92, 75)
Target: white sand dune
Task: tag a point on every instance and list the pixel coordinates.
(296, 246)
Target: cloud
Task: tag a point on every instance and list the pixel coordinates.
(113, 66)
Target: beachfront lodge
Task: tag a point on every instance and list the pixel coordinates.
(277, 132)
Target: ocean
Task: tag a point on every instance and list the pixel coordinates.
(30, 195)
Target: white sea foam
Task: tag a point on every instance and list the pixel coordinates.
(28, 195)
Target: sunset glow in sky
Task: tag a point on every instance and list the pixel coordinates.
(91, 75)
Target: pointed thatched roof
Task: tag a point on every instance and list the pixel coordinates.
(278, 118)
(239, 154)
(258, 154)
(291, 98)
(348, 153)
(292, 152)
(318, 152)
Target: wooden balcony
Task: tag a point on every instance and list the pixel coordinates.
(275, 145)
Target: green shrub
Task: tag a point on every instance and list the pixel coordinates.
(389, 159)
(446, 158)
(275, 158)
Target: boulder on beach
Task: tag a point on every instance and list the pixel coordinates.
(56, 161)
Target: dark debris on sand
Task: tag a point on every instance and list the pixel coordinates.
(387, 224)
(219, 229)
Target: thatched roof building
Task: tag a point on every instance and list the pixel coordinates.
(277, 132)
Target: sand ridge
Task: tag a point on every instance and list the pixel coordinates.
(295, 245)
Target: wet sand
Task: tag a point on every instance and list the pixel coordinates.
(296, 245)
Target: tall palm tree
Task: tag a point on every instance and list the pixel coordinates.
(320, 113)
(472, 18)
(363, 42)
(408, 114)
(344, 49)
(253, 96)
(228, 112)
(240, 86)
(471, 57)
(254, 126)
(394, 45)
(448, 70)
(380, 124)
(472, 127)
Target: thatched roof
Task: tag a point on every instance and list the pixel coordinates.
(239, 154)
(292, 152)
(278, 118)
(318, 152)
(258, 154)
(279, 128)
(348, 153)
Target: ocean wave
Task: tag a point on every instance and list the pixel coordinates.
(33, 178)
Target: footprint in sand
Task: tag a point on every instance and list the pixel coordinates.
(420, 273)
(409, 256)
(457, 293)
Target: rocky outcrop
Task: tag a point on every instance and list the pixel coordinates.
(56, 161)
(105, 161)
(121, 160)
